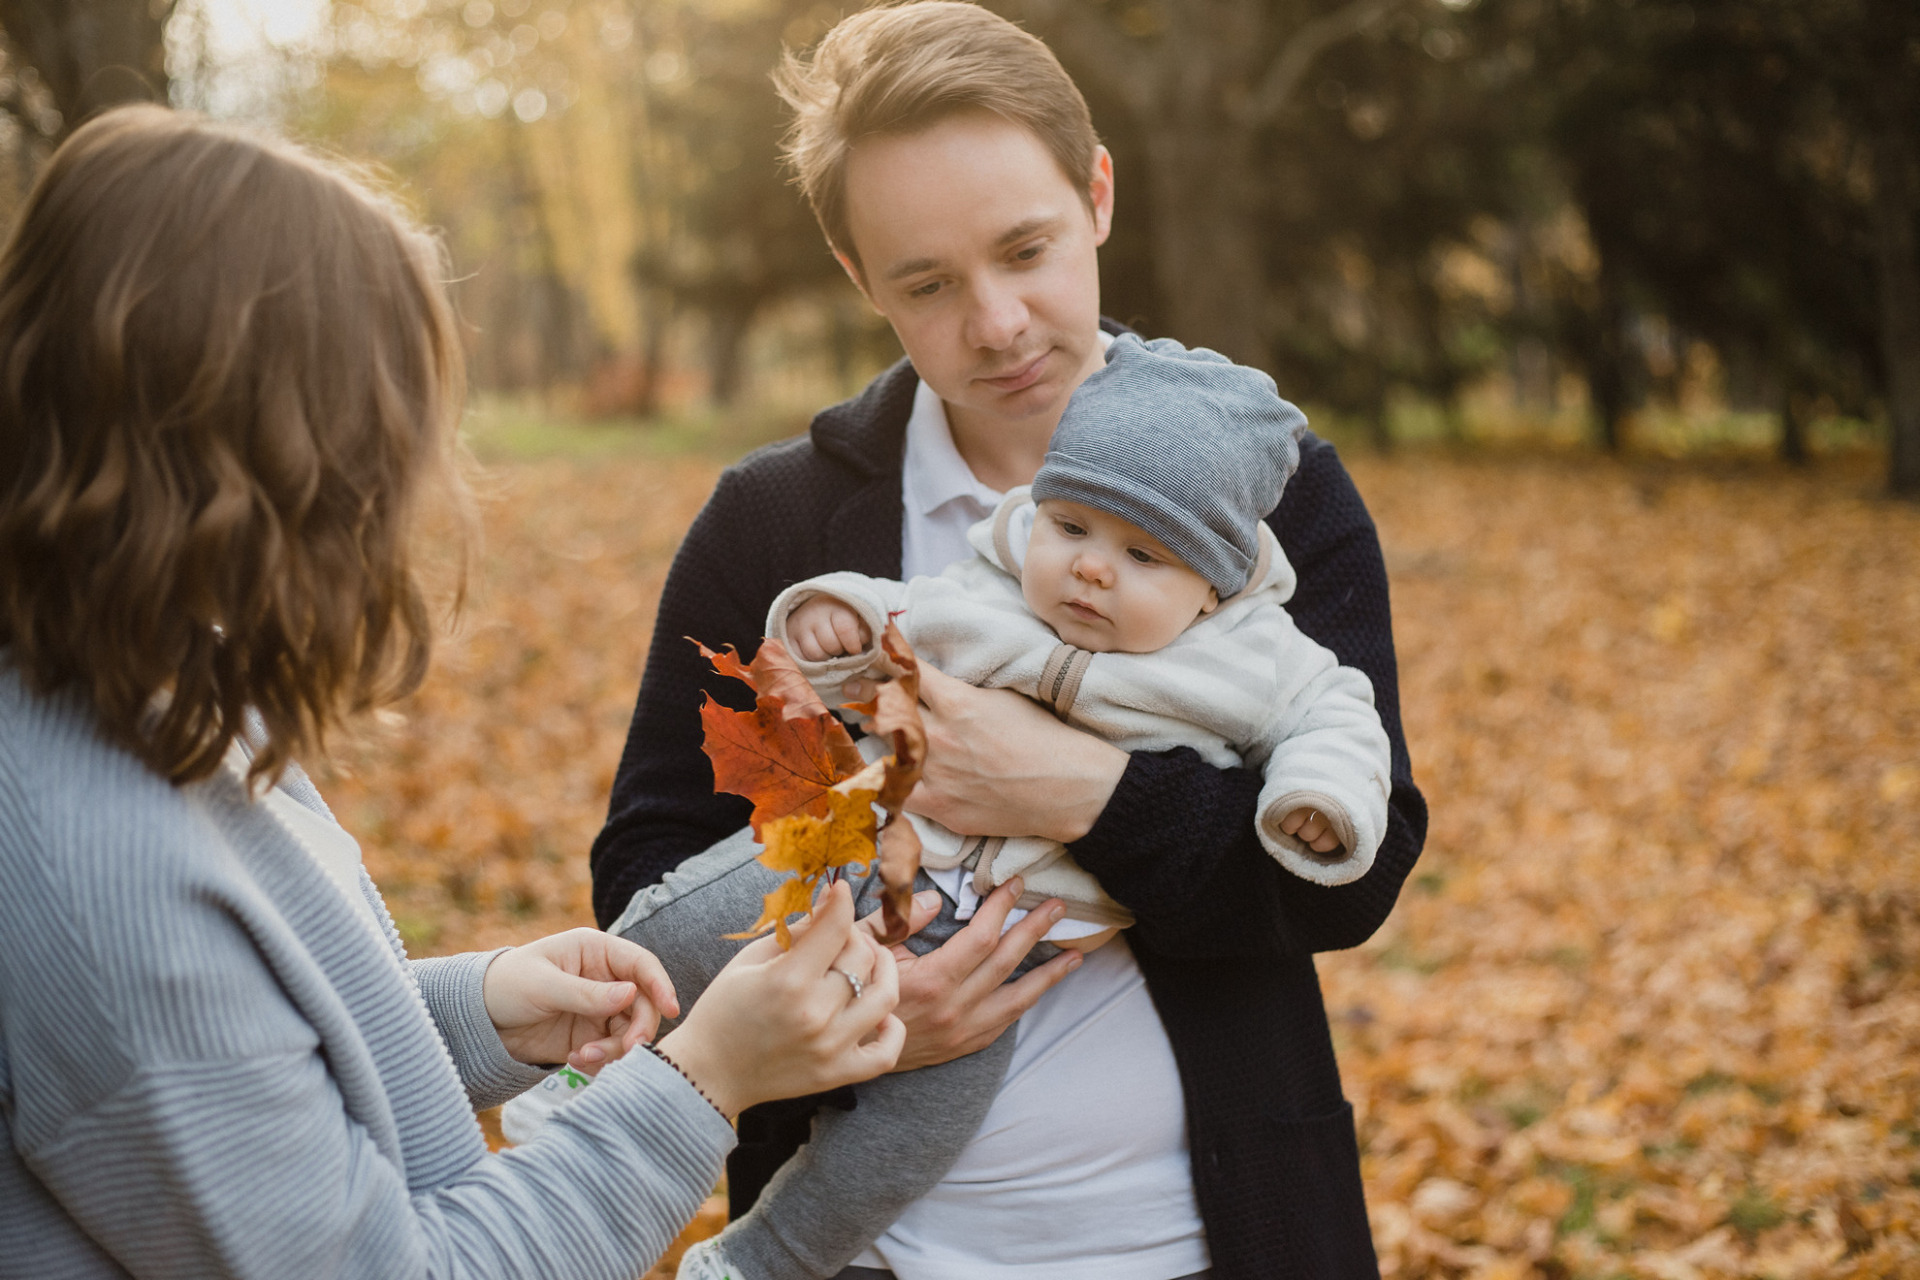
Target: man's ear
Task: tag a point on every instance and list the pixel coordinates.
(1100, 194)
(853, 273)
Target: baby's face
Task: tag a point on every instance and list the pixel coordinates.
(1105, 585)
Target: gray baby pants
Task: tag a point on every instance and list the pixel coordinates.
(861, 1168)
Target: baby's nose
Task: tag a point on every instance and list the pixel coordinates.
(1091, 568)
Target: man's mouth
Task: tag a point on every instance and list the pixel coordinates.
(1021, 377)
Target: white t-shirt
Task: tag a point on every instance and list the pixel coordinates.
(1080, 1170)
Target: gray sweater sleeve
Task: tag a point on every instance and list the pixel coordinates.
(453, 988)
(251, 1169)
(210, 1067)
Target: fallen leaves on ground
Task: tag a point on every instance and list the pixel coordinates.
(1650, 1004)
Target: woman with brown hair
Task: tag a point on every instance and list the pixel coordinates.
(229, 380)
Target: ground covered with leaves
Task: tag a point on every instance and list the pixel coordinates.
(1650, 1005)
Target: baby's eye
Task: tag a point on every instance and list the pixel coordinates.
(1140, 556)
(1071, 529)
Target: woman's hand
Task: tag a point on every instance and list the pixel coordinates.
(999, 764)
(778, 1024)
(582, 997)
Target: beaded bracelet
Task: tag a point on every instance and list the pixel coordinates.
(657, 1052)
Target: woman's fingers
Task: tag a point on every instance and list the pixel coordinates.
(622, 960)
(827, 928)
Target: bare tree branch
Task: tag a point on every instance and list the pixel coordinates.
(1303, 48)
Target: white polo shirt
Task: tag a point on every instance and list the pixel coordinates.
(1080, 1170)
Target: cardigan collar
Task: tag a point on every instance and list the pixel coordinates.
(869, 432)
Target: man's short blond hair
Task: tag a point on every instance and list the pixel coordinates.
(898, 69)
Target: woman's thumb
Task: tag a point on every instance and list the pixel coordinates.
(599, 999)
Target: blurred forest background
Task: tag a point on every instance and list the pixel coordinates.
(1639, 223)
(1629, 292)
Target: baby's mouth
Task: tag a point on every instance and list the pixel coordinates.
(1084, 612)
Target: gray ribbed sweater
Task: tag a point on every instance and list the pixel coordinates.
(210, 1067)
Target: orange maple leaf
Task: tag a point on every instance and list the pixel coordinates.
(813, 795)
(785, 753)
(809, 848)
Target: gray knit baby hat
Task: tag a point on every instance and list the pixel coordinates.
(1188, 445)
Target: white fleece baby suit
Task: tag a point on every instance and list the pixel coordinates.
(1241, 686)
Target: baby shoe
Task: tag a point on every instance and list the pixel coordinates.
(528, 1114)
(705, 1261)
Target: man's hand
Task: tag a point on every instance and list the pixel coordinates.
(824, 627)
(956, 999)
(999, 764)
(582, 997)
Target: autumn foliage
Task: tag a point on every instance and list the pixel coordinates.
(1649, 1005)
(813, 793)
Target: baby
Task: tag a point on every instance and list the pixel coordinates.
(1136, 590)
(1141, 540)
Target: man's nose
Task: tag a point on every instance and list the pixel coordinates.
(998, 315)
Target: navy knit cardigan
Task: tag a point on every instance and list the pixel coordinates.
(1225, 937)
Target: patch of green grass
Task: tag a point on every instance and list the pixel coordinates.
(1708, 1082)
(417, 931)
(520, 429)
(1398, 955)
(1572, 959)
(1579, 1214)
(1522, 1114)
(1754, 1212)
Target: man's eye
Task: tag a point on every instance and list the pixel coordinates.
(1029, 253)
(926, 290)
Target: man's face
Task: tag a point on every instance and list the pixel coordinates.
(980, 252)
(1105, 585)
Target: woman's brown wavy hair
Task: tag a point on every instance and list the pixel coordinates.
(230, 379)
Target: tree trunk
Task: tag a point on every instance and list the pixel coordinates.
(92, 54)
(1897, 265)
(1607, 361)
(656, 312)
(1206, 248)
(727, 327)
(1793, 429)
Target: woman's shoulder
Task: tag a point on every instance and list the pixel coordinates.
(91, 838)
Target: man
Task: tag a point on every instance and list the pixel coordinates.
(959, 182)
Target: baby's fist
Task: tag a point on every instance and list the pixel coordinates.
(1312, 829)
(825, 628)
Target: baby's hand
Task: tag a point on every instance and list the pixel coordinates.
(825, 628)
(1312, 829)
